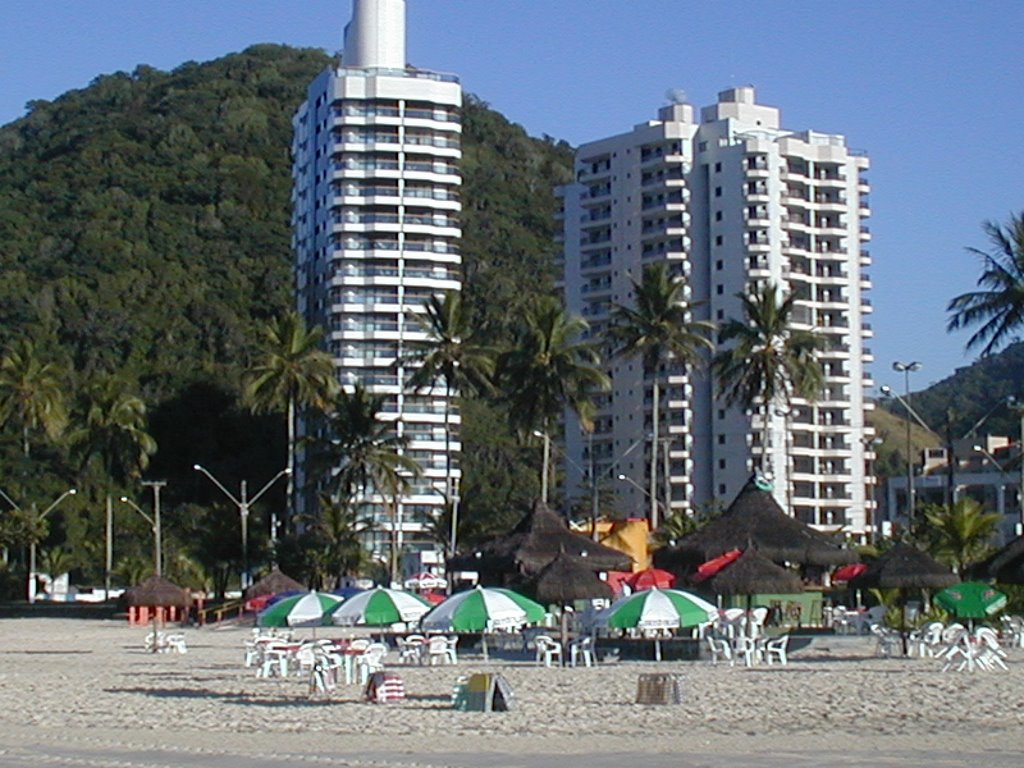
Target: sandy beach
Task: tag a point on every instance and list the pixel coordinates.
(83, 692)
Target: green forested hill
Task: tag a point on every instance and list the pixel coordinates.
(144, 231)
(144, 220)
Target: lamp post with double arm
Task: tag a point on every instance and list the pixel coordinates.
(243, 502)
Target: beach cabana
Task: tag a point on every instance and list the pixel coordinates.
(565, 580)
(514, 558)
(272, 584)
(1006, 566)
(754, 520)
(157, 593)
(904, 567)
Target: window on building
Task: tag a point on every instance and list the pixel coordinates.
(721, 463)
(720, 315)
(721, 413)
(718, 239)
(720, 289)
(718, 215)
(718, 191)
(719, 265)
(721, 439)
(718, 167)
(721, 489)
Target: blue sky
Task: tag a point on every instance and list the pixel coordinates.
(932, 90)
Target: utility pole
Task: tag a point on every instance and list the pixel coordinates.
(156, 485)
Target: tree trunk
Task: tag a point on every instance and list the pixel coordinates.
(290, 492)
(654, 454)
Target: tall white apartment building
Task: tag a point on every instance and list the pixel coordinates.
(376, 181)
(728, 201)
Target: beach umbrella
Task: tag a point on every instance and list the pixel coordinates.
(482, 609)
(657, 609)
(379, 607)
(971, 600)
(709, 568)
(305, 610)
(426, 580)
(651, 577)
(847, 572)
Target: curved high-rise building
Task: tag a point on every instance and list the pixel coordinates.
(377, 147)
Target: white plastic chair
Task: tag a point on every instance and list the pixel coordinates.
(410, 649)
(929, 641)
(452, 649)
(547, 649)
(581, 649)
(776, 649)
(990, 655)
(437, 650)
(371, 660)
(175, 643)
(720, 649)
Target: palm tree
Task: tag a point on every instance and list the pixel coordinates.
(961, 534)
(549, 367)
(364, 455)
(31, 393)
(112, 430)
(293, 372)
(770, 362)
(449, 353)
(659, 329)
(112, 433)
(999, 304)
(336, 533)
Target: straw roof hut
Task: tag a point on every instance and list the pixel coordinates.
(755, 520)
(157, 592)
(753, 573)
(566, 579)
(537, 540)
(904, 567)
(272, 584)
(1005, 566)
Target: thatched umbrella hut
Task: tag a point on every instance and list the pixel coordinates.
(535, 542)
(565, 580)
(157, 592)
(1006, 566)
(272, 584)
(904, 567)
(751, 573)
(754, 520)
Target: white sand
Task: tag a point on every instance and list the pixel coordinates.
(82, 686)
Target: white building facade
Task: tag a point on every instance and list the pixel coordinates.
(728, 201)
(376, 208)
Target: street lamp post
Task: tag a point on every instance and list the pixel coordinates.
(243, 503)
(31, 585)
(906, 369)
(644, 491)
(157, 564)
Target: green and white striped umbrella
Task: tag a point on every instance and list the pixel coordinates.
(657, 609)
(308, 610)
(380, 607)
(483, 609)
